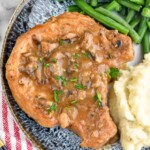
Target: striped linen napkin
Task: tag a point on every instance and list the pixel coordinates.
(10, 133)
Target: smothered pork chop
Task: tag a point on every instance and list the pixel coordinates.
(57, 73)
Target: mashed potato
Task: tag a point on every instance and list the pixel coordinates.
(130, 106)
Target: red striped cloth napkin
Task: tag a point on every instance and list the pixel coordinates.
(10, 134)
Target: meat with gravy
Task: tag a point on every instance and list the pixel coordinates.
(57, 73)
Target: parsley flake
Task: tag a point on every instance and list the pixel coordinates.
(62, 78)
(61, 42)
(73, 102)
(54, 60)
(76, 65)
(98, 99)
(79, 86)
(41, 59)
(114, 72)
(87, 54)
(108, 74)
(68, 107)
(61, 92)
(53, 107)
(46, 65)
(74, 79)
(56, 97)
(76, 56)
(58, 77)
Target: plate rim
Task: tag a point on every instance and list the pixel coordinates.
(9, 25)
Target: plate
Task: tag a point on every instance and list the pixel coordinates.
(28, 14)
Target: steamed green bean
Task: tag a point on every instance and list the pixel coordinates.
(101, 18)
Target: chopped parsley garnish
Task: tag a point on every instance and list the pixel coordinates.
(76, 65)
(41, 59)
(53, 107)
(114, 72)
(61, 42)
(54, 60)
(87, 54)
(58, 77)
(108, 74)
(62, 78)
(68, 107)
(56, 97)
(74, 79)
(79, 86)
(76, 56)
(61, 92)
(98, 99)
(73, 102)
(46, 65)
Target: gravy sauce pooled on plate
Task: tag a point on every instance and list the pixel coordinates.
(58, 75)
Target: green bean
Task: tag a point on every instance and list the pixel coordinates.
(101, 18)
(119, 19)
(93, 3)
(148, 24)
(130, 15)
(134, 22)
(103, 5)
(145, 43)
(146, 12)
(114, 6)
(142, 28)
(124, 11)
(147, 2)
(140, 2)
(129, 4)
(73, 8)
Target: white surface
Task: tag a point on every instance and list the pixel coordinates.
(7, 8)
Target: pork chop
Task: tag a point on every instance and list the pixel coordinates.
(57, 75)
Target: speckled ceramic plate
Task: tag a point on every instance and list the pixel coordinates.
(27, 15)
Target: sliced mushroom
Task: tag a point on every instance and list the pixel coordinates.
(118, 44)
